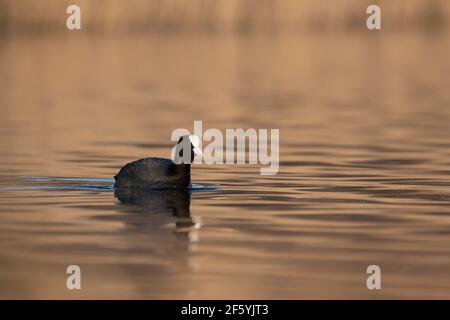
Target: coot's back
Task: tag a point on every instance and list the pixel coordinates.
(153, 173)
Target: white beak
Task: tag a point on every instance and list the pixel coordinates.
(196, 143)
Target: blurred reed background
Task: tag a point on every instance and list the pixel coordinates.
(212, 16)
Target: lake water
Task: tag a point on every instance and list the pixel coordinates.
(364, 176)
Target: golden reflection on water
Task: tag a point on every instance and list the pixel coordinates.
(364, 176)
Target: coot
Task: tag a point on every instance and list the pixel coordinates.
(159, 173)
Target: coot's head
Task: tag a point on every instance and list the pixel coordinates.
(187, 148)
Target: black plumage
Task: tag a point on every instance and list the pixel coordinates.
(159, 173)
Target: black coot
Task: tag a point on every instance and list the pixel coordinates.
(158, 173)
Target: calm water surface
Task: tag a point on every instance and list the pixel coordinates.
(364, 178)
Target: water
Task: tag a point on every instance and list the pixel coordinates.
(364, 176)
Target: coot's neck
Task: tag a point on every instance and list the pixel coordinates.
(184, 166)
(184, 173)
(184, 169)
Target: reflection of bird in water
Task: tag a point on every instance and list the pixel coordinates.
(175, 202)
(149, 236)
